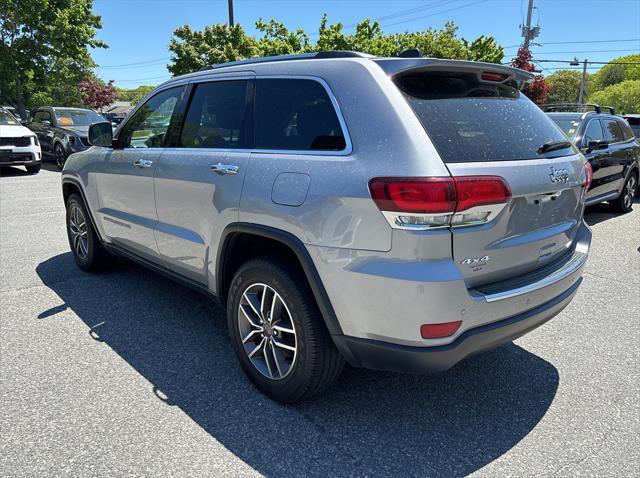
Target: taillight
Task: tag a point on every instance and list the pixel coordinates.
(476, 191)
(588, 175)
(420, 195)
(424, 203)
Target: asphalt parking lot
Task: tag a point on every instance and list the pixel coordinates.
(127, 373)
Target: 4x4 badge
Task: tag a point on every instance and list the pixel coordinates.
(559, 175)
(475, 260)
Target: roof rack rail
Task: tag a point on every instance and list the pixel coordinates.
(579, 107)
(299, 56)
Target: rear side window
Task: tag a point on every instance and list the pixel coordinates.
(593, 132)
(612, 131)
(626, 131)
(473, 121)
(217, 116)
(295, 114)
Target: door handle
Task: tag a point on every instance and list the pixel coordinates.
(223, 169)
(143, 163)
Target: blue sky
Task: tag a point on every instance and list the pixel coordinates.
(138, 31)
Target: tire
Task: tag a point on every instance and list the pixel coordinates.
(35, 169)
(313, 365)
(624, 203)
(88, 252)
(60, 155)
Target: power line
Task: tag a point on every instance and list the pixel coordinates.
(584, 51)
(592, 62)
(578, 42)
(434, 14)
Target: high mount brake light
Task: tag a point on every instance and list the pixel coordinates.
(424, 203)
(489, 76)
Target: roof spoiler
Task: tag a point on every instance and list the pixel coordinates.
(407, 61)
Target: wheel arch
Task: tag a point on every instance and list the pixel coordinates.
(71, 186)
(283, 243)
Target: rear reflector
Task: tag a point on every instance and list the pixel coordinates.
(588, 175)
(437, 331)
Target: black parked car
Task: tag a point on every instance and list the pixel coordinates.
(634, 122)
(610, 147)
(62, 131)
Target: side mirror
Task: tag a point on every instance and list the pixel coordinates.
(46, 123)
(101, 134)
(599, 144)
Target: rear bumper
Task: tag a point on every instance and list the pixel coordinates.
(381, 355)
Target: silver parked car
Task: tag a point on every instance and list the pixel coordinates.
(394, 213)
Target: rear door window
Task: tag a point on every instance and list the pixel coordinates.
(593, 132)
(612, 131)
(626, 130)
(296, 114)
(473, 121)
(218, 116)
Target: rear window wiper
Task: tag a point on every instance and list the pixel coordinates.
(553, 146)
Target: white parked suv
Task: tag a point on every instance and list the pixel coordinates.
(19, 146)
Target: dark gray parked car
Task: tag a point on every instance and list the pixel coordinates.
(62, 131)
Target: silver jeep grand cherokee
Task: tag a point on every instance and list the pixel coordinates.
(393, 213)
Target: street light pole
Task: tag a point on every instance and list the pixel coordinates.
(230, 13)
(583, 81)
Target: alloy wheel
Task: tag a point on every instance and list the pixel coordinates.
(59, 153)
(267, 331)
(630, 192)
(78, 230)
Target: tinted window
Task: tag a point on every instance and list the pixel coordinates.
(217, 116)
(296, 115)
(612, 131)
(148, 126)
(593, 132)
(626, 131)
(470, 121)
(42, 116)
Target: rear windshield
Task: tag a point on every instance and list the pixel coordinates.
(470, 121)
(569, 125)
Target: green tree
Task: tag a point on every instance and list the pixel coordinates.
(133, 95)
(624, 96)
(565, 86)
(40, 37)
(617, 71)
(278, 40)
(219, 43)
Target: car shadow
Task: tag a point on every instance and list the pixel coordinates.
(602, 212)
(369, 423)
(13, 171)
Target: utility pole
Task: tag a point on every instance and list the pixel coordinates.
(230, 13)
(583, 81)
(529, 32)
